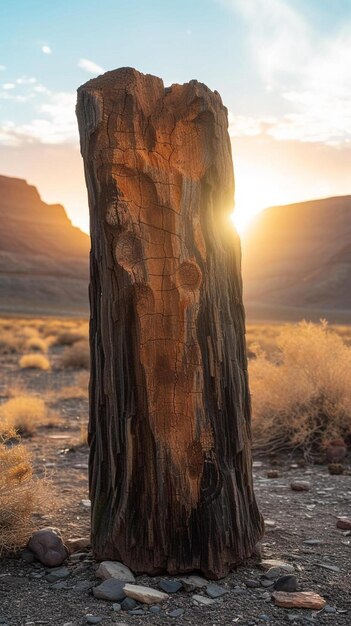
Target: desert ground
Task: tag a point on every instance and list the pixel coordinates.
(43, 394)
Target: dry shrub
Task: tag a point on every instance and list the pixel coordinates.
(37, 343)
(9, 342)
(24, 413)
(67, 338)
(77, 355)
(21, 494)
(303, 399)
(34, 361)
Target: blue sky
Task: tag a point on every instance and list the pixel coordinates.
(281, 66)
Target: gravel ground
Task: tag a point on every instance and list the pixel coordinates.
(292, 519)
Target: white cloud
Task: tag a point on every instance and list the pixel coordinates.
(8, 86)
(308, 73)
(25, 81)
(54, 120)
(46, 50)
(2, 68)
(90, 66)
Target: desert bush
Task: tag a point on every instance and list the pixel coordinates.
(24, 413)
(34, 361)
(36, 343)
(67, 338)
(9, 342)
(21, 494)
(302, 399)
(77, 355)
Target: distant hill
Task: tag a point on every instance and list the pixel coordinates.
(297, 261)
(43, 258)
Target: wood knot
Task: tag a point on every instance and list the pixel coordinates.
(128, 250)
(189, 276)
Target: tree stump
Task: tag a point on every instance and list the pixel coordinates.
(170, 461)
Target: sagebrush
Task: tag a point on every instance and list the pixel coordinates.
(21, 494)
(301, 397)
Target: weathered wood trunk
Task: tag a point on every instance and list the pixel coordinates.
(170, 464)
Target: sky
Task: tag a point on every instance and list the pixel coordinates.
(282, 68)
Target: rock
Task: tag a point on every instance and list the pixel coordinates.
(176, 613)
(299, 600)
(114, 569)
(344, 523)
(336, 451)
(238, 590)
(116, 607)
(191, 583)
(146, 595)
(300, 485)
(203, 600)
(84, 585)
(252, 583)
(86, 503)
(137, 612)
(77, 544)
(59, 586)
(266, 596)
(272, 473)
(286, 583)
(155, 608)
(282, 566)
(54, 575)
(335, 469)
(215, 591)
(331, 568)
(267, 583)
(48, 547)
(171, 585)
(329, 609)
(128, 604)
(93, 619)
(313, 542)
(111, 589)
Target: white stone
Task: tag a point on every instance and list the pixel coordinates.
(193, 582)
(285, 568)
(114, 569)
(146, 595)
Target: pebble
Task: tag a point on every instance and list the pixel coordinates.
(344, 523)
(329, 609)
(252, 583)
(146, 595)
(313, 542)
(114, 569)
(128, 604)
(137, 612)
(170, 586)
(59, 586)
(84, 585)
(272, 473)
(155, 608)
(267, 583)
(300, 485)
(300, 599)
(86, 504)
(176, 613)
(203, 600)
(215, 591)
(54, 575)
(286, 583)
(331, 568)
(282, 566)
(238, 590)
(111, 589)
(48, 547)
(77, 544)
(191, 583)
(93, 619)
(116, 607)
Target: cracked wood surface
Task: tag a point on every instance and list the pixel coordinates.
(170, 462)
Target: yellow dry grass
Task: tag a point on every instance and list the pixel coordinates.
(301, 395)
(21, 494)
(34, 361)
(36, 343)
(23, 413)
